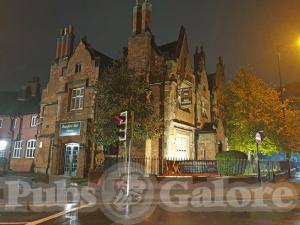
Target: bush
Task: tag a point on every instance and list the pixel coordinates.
(231, 163)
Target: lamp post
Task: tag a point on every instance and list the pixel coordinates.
(279, 72)
(297, 44)
(258, 139)
(278, 53)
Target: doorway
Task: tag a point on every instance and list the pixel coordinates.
(71, 159)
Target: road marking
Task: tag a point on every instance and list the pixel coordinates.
(12, 223)
(57, 215)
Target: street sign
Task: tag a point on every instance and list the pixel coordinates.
(69, 129)
(258, 138)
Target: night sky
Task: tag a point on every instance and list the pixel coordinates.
(244, 32)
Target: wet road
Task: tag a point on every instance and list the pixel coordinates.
(161, 217)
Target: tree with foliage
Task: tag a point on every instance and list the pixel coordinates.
(122, 89)
(251, 106)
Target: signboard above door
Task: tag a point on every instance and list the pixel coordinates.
(69, 129)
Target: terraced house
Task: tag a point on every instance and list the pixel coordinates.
(187, 98)
(19, 116)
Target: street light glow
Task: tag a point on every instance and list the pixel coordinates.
(298, 42)
(3, 144)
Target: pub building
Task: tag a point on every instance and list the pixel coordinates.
(187, 98)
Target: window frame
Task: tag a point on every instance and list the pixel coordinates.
(2, 153)
(77, 99)
(18, 149)
(78, 67)
(15, 123)
(30, 150)
(35, 119)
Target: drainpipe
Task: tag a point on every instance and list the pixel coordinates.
(12, 119)
(49, 155)
(162, 111)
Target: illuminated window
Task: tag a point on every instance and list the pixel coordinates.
(203, 106)
(15, 123)
(1, 123)
(30, 149)
(77, 99)
(17, 149)
(3, 145)
(182, 146)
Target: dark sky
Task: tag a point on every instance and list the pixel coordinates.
(244, 32)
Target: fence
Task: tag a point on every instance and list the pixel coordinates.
(177, 167)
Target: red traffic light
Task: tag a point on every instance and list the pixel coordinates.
(120, 120)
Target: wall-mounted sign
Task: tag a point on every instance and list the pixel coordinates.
(186, 96)
(69, 129)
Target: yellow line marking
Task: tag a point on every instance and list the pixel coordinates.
(57, 215)
(12, 223)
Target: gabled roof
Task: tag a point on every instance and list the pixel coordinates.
(169, 50)
(172, 50)
(96, 55)
(10, 105)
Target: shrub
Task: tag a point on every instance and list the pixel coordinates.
(231, 163)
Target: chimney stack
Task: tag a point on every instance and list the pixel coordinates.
(65, 42)
(199, 60)
(34, 86)
(146, 16)
(137, 18)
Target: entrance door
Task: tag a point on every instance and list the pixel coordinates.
(182, 147)
(71, 159)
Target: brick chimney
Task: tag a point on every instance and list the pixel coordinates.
(141, 21)
(199, 60)
(137, 18)
(146, 16)
(34, 86)
(65, 42)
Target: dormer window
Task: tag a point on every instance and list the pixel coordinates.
(78, 68)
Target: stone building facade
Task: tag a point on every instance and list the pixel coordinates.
(187, 98)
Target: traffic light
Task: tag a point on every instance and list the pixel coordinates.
(122, 125)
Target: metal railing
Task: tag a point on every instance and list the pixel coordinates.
(228, 167)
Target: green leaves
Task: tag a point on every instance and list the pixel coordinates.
(252, 105)
(122, 89)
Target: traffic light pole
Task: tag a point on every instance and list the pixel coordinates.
(129, 151)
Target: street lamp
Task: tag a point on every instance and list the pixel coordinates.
(279, 49)
(3, 145)
(298, 42)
